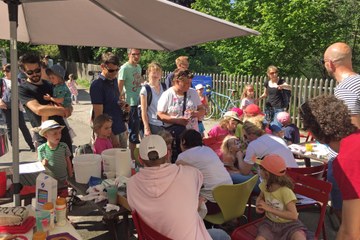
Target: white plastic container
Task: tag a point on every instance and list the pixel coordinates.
(118, 159)
(85, 166)
(46, 190)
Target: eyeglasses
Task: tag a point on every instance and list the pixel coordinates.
(272, 73)
(31, 72)
(111, 70)
(135, 54)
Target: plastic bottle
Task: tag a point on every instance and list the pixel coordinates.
(49, 206)
(60, 212)
(39, 235)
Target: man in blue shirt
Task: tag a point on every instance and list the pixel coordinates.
(105, 98)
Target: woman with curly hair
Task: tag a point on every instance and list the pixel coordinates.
(329, 120)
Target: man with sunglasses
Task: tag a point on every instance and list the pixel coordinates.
(31, 94)
(105, 98)
(130, 78)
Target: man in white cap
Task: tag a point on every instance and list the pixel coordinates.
(166, 195)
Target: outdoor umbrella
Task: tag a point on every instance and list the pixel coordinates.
(144, 24)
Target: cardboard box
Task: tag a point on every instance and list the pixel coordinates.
(46, 190)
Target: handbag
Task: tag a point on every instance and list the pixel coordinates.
(4, 144)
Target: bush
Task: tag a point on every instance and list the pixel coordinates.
(83, 83)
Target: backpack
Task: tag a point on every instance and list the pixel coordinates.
(149, 99)
(83, 149)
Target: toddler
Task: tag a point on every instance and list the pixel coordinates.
(231, 153)
(53, 154)
(291, 131)
(102, 128)
(247, 97)
(200, 91)
(71, 84)
(278, 201)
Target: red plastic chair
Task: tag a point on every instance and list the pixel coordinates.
(318, 172)
(305, 185)
(144, 231)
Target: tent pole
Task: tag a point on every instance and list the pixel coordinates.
(13, 17)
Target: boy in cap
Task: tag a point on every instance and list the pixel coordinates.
(61, 93)
(53, 154)
(291, 131)
(159, 186)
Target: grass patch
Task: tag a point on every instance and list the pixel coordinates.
(83, 83)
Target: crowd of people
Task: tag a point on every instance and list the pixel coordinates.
(165, 122)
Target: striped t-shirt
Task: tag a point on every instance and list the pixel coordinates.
(349, 91)
(56, 159)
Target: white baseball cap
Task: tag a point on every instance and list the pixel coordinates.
(199, 86)
(152, 143)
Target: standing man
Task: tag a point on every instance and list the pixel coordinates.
(105, 98)
(31, 94)
(130, 78)
(338, 63)
(181, 62)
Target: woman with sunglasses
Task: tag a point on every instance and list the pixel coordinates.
(5, 106)
(277, 94)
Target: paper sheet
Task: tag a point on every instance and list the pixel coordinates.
(31, 167)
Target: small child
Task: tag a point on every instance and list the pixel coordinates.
(61, 93)
(204, 101)
(276, 129)
(291, 131)
(278, 201)
(53, 154)
(102, 128)
(231, 153)
(247, 97)
(71, 84)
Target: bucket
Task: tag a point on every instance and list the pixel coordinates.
(85, 166)
(118, 159)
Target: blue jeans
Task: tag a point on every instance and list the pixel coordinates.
(134, 125)
(218, 234)
(336, 198)
(239, 178)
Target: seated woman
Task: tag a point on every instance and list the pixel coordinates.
(227, 125)
(209, 164)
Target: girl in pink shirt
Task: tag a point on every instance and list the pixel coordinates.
(102, 129)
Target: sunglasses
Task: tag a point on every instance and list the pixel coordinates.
(111, 70)
(7, 70)
(31, 72)
(272, 73)
(185, 73)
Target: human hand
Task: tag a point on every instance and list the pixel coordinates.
(71, 172)
(2, 104)
(182, 121)
(47, 97)
(239, 155)
(147, 132)
(45, 162)
(280, 87)
(262, 205)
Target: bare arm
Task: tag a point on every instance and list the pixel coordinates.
(98, 109)
(55, 100)
(47, 110)
(144, 116)
(350, 226)
(289, 213)
(264, 95)
(258, 199)
(200, 112)
(121, 85)
(69, 167)
(244, 167)
(285, 86)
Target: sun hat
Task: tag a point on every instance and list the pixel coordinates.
(239, 111)
(273, 163)
(47, 125)
(283, 117)
(199, 86)
(232, 114)
(152, 143)
(252, 110)
(57, 70)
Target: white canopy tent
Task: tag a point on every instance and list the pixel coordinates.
(144, 24)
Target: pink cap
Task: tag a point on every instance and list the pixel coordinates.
(283, 117)
(239, 111)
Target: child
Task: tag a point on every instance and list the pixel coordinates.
(200, 91)
(247, 97)
(61, 93)
(278, 201)
(276, 129)
(291, 131)
(53, 154)
(231, 153)
(71, 84)
(168, 138)
(102, 128)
